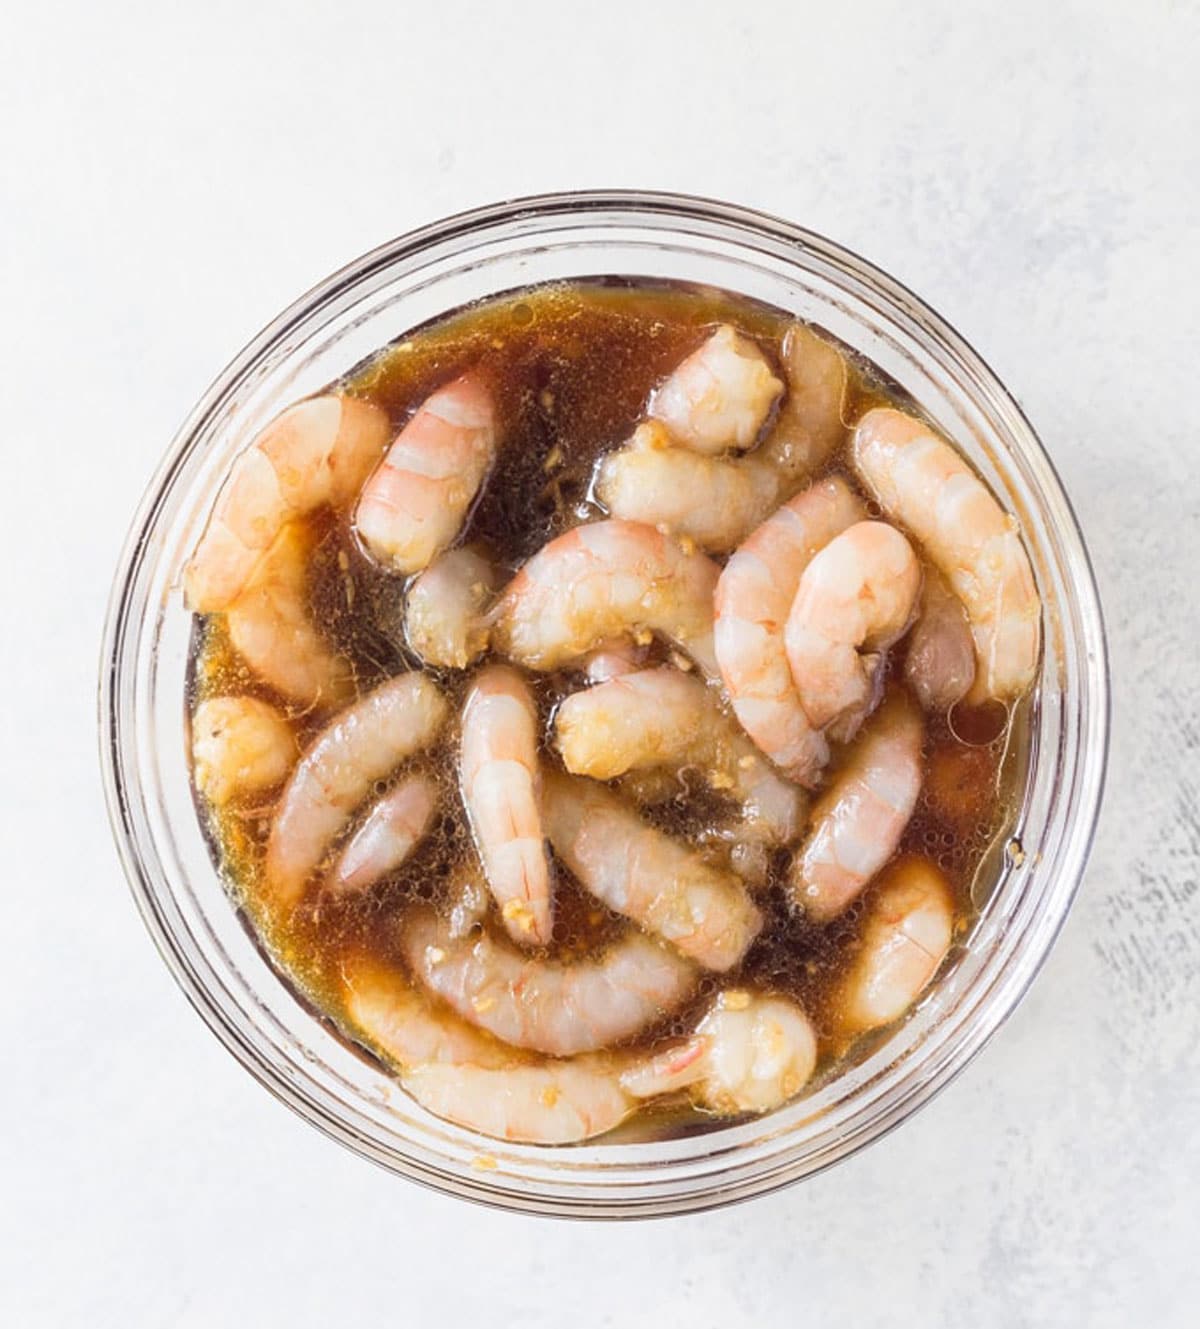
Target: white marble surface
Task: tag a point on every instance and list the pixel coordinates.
(172, 175)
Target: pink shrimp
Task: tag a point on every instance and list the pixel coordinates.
(240, 746)
(855, 598)
(857, 823)
(922, 483)
(444, 611)
(754, 596)
(317, 452)
(603, 580)
(415, 503)
(501, 792)
(363, 744)
(390, 831)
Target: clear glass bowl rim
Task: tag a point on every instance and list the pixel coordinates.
(737, 225)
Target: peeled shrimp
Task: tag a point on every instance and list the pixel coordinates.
(754, 596)
(363, 744)
(638, 871)
(240, 745)
(857, 823)
(749, 1054)
(717, 501)
(390, 832)
(558, 1007)
(270, 628)
(464, 1076)
(444, 610)
(905, 938)
(602, 580)
(666, 718)
(940, 663)
(612, 659)
(415, 503)
(500, 788)
(720, 396)
(855, 598)
(922, 482)
(317, 452)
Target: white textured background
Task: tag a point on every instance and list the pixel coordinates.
(172, 175)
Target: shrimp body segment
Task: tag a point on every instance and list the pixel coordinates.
(749, 1054)
(461, 1074)
(940, 662)
(501, 791)
(720, 396)
(909, 925)
(362, 744)
(666, 718)
(857, 822)
(561, 1008)
(240, 745)
(444, 611)
(270, 628)
(317, 452)
(607, 579)
(924, 485)
(649, 877)
(754, 597)
(854, 600)
(390, 832)
(415, 503)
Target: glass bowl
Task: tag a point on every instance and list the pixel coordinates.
(290, 1049)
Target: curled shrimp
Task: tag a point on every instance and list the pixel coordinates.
(857, 822)
(270, 628)
(720, 396)
(749, 1053)
(649, 877)
(922, 483)
(552, 1006)
(907, 932)
(601, 580)
(317, 452)
(444, 618)
(391, 830)
(501, 792)
(612, 659)
(463, 1075)
(940, 663)
(362, 744)
(415, 503)
(753, 599)
(240, 745)
(855, 598)
(717, 501)
(666, 718)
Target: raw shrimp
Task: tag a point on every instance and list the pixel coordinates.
(749, 1053)
(905, 938)
(270, 628)
(415, 503)
(858, 821)
(720, 396)
(612, 659)
(922, 482)
(465, 1076)
(388, 834)
(444, 610)
(500, 787)
(240, 745)
(638, 871)
(362, 744)
(812, 421)
(940, 663)
(854, 600)
(317, 452)
(666, 718)
(557, 1007)
(753, 598)
(603, 580)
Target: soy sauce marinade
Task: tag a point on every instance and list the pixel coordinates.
(572, 368)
